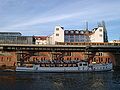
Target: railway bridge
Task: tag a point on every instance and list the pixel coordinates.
(90, 48)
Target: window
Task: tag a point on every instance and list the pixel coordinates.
(9, 59)
(100, 30)
(71, 31)
(66, 38)
(94, 59)
(100, 54)
(57, 34)
(57, 29)
(77, 32)
(68, 54)
(71, 38)
(101, 59)
(76, 38)
(100, 35)
(66, 32)
(81, 32)
(85, 64)
(80, 64)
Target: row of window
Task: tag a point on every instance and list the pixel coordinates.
(5, 59)
(58, 65)
(81, 38)
(64, 59)
(76, 32)
(101, 59)
(39, 58)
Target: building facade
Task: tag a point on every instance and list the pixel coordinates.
(15, 38)
(57, 36)
(98, 34)
(41, 40)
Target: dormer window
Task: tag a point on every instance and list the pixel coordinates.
(71, 31)
(77, 32)
(67, 32)
(82, 32)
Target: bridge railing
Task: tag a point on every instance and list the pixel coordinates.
(88, 43)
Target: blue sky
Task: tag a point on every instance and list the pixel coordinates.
(39, 17)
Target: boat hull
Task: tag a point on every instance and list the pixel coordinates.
(92, 68)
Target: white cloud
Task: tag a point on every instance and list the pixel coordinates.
(43, 20)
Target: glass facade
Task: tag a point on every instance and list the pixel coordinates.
(76, 36)
(66, 38)
(71, 38)
(14, 38)
(10, 34)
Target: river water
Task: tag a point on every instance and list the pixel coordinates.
(60, 81)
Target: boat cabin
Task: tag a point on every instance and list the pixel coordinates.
(83, 64)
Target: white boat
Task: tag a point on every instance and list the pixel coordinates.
(82, 66)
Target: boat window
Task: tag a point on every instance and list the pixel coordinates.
(80, 64)
(84, 64)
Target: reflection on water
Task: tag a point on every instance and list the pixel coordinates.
(60, 81)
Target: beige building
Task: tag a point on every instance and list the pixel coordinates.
(57, 36)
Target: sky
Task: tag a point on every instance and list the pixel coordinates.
(39, 17)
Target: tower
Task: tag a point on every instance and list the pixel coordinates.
(105, 32)
(86, 26)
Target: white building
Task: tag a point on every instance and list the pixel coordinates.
(41, 40)
(57, 36)
(98, 34)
